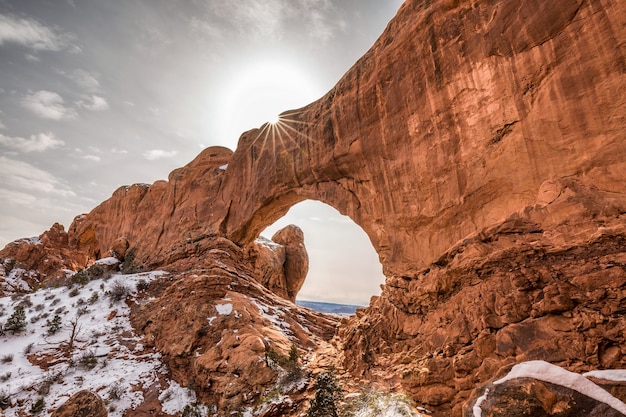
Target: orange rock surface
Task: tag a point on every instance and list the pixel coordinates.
(479, 144)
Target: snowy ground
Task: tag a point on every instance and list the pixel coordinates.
(45, 363)
(106, 357)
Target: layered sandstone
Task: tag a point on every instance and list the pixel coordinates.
(479, 144)
(217, 326)
(451, 122)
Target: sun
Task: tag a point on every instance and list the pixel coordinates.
(274, 119)
(260, 92)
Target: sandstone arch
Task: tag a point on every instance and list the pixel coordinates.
(439, 131)
(442, 130)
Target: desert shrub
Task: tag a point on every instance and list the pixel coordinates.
(44, 387)
(94, 297)
(192, 410)
(83, 276)
(5, 399)
(28, 348)
(327, 393)
(39, 307)
(9, 264)
(54, 325)
(116, 391)
(25, 302)
(8, 358)
(293, 354)
(37, 407)
(273, 358)
(129, 265)
(81, 311)
(5, 377)
(74, 292)
(142, 285)
(118, 292)
(17, 322)
(88, 360)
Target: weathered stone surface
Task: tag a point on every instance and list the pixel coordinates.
(479, 144)
(281, 264)
(296, 263)
(538, 388)
(37, 261)
(456, 118)
(82, 404)
(529, 397)
(214, 329)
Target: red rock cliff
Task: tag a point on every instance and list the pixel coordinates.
(480, 145)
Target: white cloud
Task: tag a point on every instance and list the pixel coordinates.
(154, 154)
(119, 151)
(32, 58)
(2, 125)
(33, 34)
(24, 176)
(270, 17)
(88, 81)
(205, 28)
(36, 143)
(94, 103)
(48, 105)
(94, 158)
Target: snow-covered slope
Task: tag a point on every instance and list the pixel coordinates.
(104, 355)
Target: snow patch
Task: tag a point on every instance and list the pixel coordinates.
(108, 357)
(107, 261)
(29, 240)
(544, 371)
(224, 309)
(15, 282)
(478, 412)
(175, 398)
(617, 375)
(268, 243)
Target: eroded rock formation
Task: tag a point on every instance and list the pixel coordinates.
(83, 403)
(479, 144)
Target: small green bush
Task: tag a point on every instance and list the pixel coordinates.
(53, 325)
(17, 322)
(37, 407)
(94, 297)
(118, 292)
(5, 400)
(88, 360)
(327, 393)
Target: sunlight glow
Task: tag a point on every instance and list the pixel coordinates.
(259, 93)
(274, 120)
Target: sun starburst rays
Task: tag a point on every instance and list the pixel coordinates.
(283, 132)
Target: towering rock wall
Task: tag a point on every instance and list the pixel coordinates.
(481, 147)
(451, 122)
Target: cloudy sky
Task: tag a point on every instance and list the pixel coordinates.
(96, 94)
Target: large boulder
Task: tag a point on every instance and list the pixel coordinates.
(82, 404)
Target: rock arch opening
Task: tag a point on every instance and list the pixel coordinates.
(344, 267)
